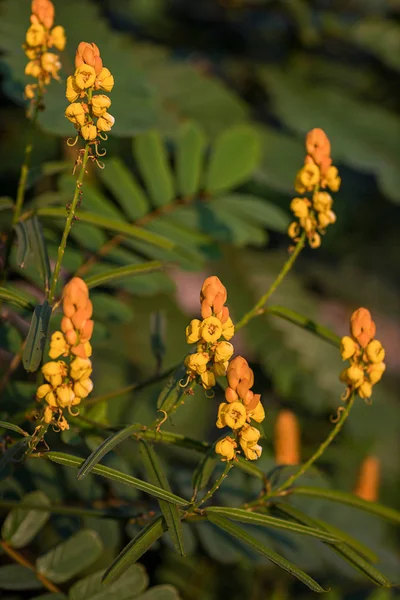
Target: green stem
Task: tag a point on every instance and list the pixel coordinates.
(215, 487)
(258, 308)
(27, 159)
(305, 323)
(289, 482)
(68, 225)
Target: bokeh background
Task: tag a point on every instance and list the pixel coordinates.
(281, 68)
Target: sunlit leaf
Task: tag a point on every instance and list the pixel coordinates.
(190, 148)
(152, 160)
(123, 272)
(125, 188)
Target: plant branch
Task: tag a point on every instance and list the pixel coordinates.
(21, 560)
(215, 487)
(68, 225)
(304, 322)
(258, 308)
(319, 452)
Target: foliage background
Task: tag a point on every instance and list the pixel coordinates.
(280, 68)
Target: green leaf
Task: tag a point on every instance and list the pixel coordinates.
(121, 272)
(306, 323)
(111, 225)
(134, 550)
(255, 210)
(36, 338)
(14, 453)
(246, 516)
(161, 592)
(132, 583)
(16, 577)
(275, 558)
(380, 595)
(342, 549)
(21, 525)
(157, 477)
(125, 188)
(50, 597)
(6, 203)
(76, 462)
(12, 427)
(111, 442)
(68, 559)
(32, 248)
(150, 154)
(12, 297)
(172, 392)
(46, 169)
(203, 471)
(190, 148)
(390, 514)
(234, 157)
(110, 309)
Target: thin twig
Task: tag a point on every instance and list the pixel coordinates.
(21, 560)
(258, 308)
(215, 487)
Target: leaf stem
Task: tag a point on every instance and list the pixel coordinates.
(258, 308)
(289, 482)
(215, 487)
(68, 225)
(21, 560)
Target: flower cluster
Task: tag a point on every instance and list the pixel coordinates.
(68, 381)
(241, 406)
(89, 115)
(365, 354)
(315, 214)
(211, 334)
(41, 36)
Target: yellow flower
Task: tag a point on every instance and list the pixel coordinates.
(43, 390)
(85, 76)
(100, 103)
(197, 362)
(105, 122)
(231, 415)
(65, 395)
(80, 368)
(332, 179)
(228, 329)
(89, 132)
(51, 64)
(48, 415)
(299, 206)
(322, 201)
(208, 380)
(33, 68)
(293, 230)
(73, 91)
(76, 113)
(36, 34)
(88, 349)
(375, 352)
(54, 371)
(62, 423)
(193, 331)
(30, 90)
(347, 347)
(249, 435)
(223, 352)
(220, 368)
(315, 240)
(257, 414)
(58, 39)
(252, 452)
(355, 376)
(375, 372)
(211, 329)
(226, 448)
(105, 80)
(83, 387)
(365, 390)
(58, 345)
(51, 399)
(307, 178)
(324, 220)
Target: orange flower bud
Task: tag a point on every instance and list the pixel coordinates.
(89, 54)
(362, 326)
(287, 439)
(367, 486)
(43, 10)
(87, 330)
(231, 395)
(317, 144)
(66, 325)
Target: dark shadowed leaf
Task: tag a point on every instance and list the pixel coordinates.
(36, 339)
(21, 525)
(13, 297)
(151, 156)
(123, 272)
(161, 592)
(125, 188)
(190, 148)
(132, 583)
(16, 577)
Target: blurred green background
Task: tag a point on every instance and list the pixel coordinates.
(266, 71)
